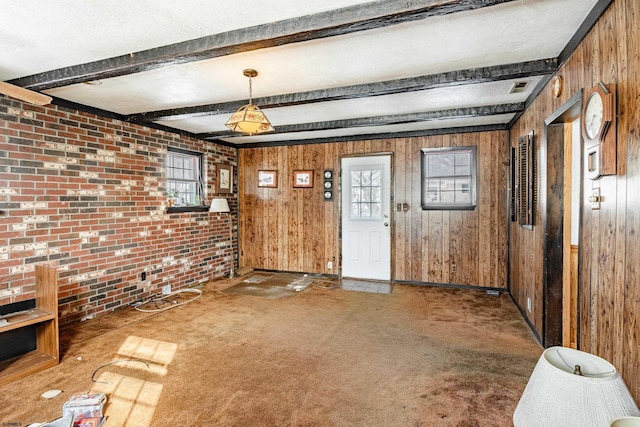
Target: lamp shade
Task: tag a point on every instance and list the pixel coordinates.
(249, 119)
(556, 396)
(219, 205)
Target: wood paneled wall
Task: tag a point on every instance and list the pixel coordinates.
(294, 229)
(609, 260)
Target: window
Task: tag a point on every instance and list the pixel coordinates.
(184, 178)
(366, 192)
(449, 178)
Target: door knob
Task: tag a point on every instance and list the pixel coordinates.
(386, 224)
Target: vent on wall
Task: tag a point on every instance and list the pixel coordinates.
(518, 87)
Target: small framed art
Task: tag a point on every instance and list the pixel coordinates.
(268, 179)
(225, 178)
(303, 179)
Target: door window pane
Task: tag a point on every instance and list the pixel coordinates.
(366, 193)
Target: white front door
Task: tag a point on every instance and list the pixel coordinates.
(366, 217)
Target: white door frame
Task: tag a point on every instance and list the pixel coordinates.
(391, 195)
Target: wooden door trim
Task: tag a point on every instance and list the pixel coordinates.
(553, 218)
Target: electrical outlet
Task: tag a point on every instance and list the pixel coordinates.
(454, 268)
(329, 265)
(529, 304)
(143, 275)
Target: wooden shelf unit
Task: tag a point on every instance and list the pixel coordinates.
(45, 318)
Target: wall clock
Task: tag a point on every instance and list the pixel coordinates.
(599, 130)
(594, 116)
(598, 113)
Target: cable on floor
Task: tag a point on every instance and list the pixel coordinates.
(164, 302)
(112, 363)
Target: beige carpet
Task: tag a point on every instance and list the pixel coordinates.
(419, 356)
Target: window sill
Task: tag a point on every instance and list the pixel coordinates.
(180, 209)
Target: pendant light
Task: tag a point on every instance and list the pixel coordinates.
(249, 118)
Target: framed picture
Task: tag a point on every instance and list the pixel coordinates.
(225, 178)
(268, 179)
(303, 179)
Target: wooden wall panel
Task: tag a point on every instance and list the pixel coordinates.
(294, 229)
(629, 108)
(609, 253)
(401, 225)
(415, 255)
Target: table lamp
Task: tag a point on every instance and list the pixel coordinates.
(221, 205)
(572, 388)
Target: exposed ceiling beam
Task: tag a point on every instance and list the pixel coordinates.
(366, 16)
(390, 87)
(455, 113)
(374, 136)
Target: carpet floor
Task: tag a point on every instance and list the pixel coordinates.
(325, 356)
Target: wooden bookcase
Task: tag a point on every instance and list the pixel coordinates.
(45, 319)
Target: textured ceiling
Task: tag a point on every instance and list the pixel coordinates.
(330, 70)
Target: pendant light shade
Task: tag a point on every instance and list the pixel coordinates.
(249, 118)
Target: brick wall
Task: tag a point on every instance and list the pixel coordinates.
(87, 194)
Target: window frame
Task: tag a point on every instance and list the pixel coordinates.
(473, 178)
(200, 190)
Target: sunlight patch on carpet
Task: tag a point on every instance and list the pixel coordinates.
(154, 351)
(130, 401)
